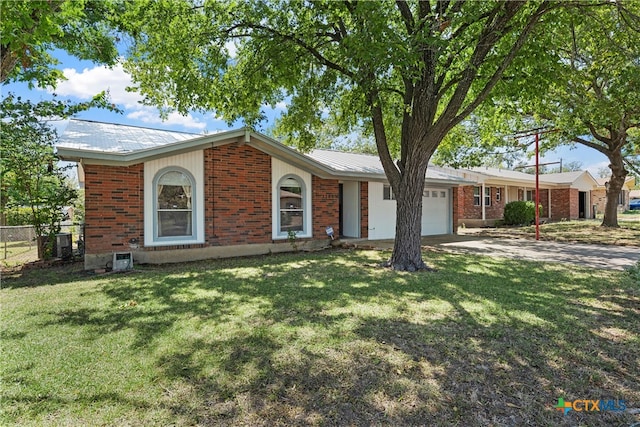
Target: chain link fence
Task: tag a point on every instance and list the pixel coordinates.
(18, 244)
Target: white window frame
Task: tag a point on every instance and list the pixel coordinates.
(498, 194)
(529, 195)
(304, 193)
(386, 189)
(476, 196)
(487, 196)
(193, 162)
(194, 207)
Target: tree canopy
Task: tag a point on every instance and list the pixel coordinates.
(30, 30)
(584, 83)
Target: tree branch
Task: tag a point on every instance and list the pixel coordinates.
(301, 43)
(392, 172)
(508, 59)
(597, 135)
(407, 16)
(600, 148)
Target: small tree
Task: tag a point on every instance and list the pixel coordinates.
(30, 174)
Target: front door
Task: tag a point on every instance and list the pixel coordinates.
(582, 204)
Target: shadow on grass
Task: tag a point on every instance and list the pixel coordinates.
(30, 277)
(323, 339)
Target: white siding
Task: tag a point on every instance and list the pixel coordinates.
(351, 209)
(436, 213)
(194, 163)
(382, 214)
(280, 169)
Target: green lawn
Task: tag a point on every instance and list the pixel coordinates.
(324, 338)
(582, 231)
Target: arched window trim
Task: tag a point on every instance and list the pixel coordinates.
(194, 207)
(305, 223)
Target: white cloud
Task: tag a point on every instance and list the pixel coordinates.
(90, 81)
(281, 105)
(151, 116)
(232, 48)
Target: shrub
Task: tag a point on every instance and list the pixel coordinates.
(19, 216)
(520, 213)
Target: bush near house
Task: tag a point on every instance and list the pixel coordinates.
(520, 213)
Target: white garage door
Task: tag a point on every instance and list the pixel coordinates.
(382, 212)
(435, 211)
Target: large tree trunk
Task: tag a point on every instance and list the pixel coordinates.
(407, 250)
(616, 182)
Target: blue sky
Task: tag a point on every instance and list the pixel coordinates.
(86, 79)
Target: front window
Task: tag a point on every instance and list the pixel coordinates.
(387, 193)
(529, 195)
(291, 198)
(487, 196)
(174, 205)
(476, 196)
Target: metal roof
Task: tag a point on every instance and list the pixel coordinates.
(112, 144)
(113, 138)
(367, 163)
(562, 178)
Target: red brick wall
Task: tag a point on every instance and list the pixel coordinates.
(456, 208)
(326, 206)
(543, 200)
(364, 210)
(238, 208)
(599, 198)
(114, 201)
(564, 203)
(468, 210)
(496, 210)
(237, 195)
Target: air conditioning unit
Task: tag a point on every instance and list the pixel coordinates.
(63, 245)
(122, 261)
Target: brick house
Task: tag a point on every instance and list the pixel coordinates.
(170, 196)
(599, 194)
(566, 195)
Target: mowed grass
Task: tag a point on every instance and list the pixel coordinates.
(319, 339)
(582, 231)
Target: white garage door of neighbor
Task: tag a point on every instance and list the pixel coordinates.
(435, 211)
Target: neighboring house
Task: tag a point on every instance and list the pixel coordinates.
(564, 195)
(600, 194)
(171, 196)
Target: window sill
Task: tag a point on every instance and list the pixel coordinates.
(298, 236)
(175, 242)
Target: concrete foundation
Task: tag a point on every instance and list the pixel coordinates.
(104, 260)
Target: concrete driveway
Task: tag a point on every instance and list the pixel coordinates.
(596, 256)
